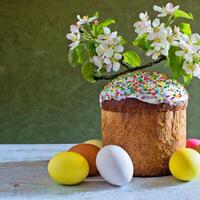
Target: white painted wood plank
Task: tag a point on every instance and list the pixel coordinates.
(30, 152)
(30, 181)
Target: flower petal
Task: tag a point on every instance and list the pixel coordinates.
(144, 16)
(69, 36)
(74, 29)
(99, 51)
(188, 57)
(96, 60)
(196, 72)
(156, 23)
(107, 30)
(107, 61)
(157, 8)
(117, 56)
(188, 67)
(73, 45)
(108, 52)
(150, 52)
(91, 19)
(180, 53)
(176, 8)
(164, 14)
(78, 17)
(155, 55)
(113, 35)
(116, 66)
(169, 6)
(109, 68)
(195, 37)
(119, 48)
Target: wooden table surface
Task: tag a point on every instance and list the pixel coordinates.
(23, 176)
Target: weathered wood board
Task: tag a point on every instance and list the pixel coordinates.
(27, 180)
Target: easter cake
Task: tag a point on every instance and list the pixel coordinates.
(145, 113)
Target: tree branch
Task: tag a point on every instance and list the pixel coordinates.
(131, 69)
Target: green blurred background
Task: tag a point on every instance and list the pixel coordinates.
(42, 98)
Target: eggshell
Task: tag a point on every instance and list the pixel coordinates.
(192, 143)
(184, 164)
(68, 168)
(96, 142)
(115, 165)
(89, 151)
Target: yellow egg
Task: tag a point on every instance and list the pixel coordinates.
(96, 142)
(184, 164)
(68, 168)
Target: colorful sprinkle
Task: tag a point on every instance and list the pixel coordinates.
(150, 87)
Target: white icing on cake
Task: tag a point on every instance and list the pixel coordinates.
(150, 87)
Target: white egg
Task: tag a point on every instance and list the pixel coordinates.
(115, 165)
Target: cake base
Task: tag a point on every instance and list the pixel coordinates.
(150, 138)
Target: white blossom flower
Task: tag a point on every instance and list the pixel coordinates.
(169, 9)
(98, 61)
(188, 67)
(104, 50)
(74, 36)
(192, 69)
(160, 48)
(154, 53)
(159, 31)
(85, 20)
(108, 51)
(108, 38)
(156, 23)
(196, 72)
(188, 46)
(143, 26)
(161, 38)
(177, 31)
(116, 66)
(175, 36)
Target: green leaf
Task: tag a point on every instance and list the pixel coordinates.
(98, 29)
(198, 43)
(88, 72)
(73, 58)
(132, 58)
(185, 28)
(81, 53)
(187, 78)
(183, 14)
(89, 49)
(96, 14)
(122, 40)
(175, 62)
(76, 56)
(142, 42)
(107, 22)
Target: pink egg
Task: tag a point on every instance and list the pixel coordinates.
(192, 143)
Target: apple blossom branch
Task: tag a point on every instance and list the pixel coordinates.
(101, 51)
(131, 69)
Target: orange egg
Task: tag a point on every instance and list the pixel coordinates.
(89, 151)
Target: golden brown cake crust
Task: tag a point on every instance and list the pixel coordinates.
(150, 138)
(135, 105)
